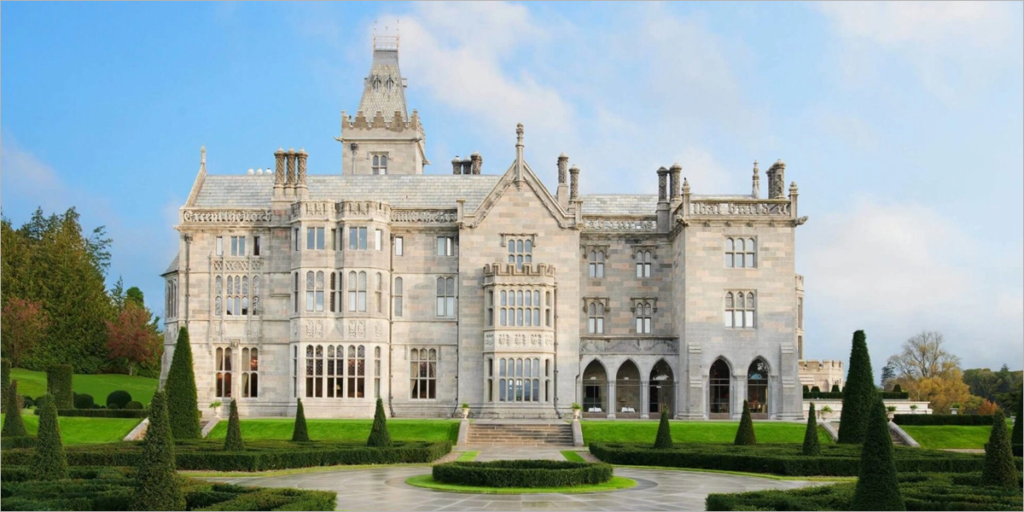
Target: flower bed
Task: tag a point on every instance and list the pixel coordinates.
(522, 473)
(835, 460)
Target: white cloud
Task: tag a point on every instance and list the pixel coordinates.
(25, 173)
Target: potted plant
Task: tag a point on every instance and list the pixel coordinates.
(826, 412)
(890, 411)
(913, 409)
(576, 409)
(955, 408)
(216, 408)
(465, 411)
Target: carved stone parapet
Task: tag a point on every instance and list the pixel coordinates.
(511, 270)
(313, 209)
(374, 209)
(424, 216)
(226, 216)
(520, 340)
(237, 265)
(629, 346)
(630, 225)
(739, 208)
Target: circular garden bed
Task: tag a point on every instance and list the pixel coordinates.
(522, 473)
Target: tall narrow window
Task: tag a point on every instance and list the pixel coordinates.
(643, 264)
(490, 308)
(378, 239)
(223, 377)
(398, 293)
(256, 246)
(644, 311)
(423, 369)
(295, 238)
(361, 292)
(595, 321)
(310, 290)
(238, 246)
(335, 368)
(446, 297)
(315, 371)
(310, 239)
(520, 251)
(250, 373)
(356, 371)
(220, 246)
(320, 242)
(333, 291)
(596, 264)
(295, 292)
(352, 291)
(504, 311)
(378, 290)
(319, 291)
(376, 372)
(445, 246)
(295, 371)
(399, 246)
(739, 310)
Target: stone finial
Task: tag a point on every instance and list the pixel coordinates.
(456, 165)
(563, 162)
(755, 186)
(574, 183)
(302, 155)
(519, 134)
(792, 189)
(674, 173)
(279, 167)
(662, 184)
(289, 161)
(476, 163)
(686, 187)
(202, 155)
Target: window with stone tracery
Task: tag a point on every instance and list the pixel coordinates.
(250, 372)
(520, 308)
(596, 265)
(595, 317)
(446, 297)
(520, 251)
(315, 291)
(740, 307)
(423, 374)
(232, 295)
(380, 164)
(643, 264)
(330, 374)
(519, 379)
(357, 291)
(222, 379)
(740, 253)
(644, 314)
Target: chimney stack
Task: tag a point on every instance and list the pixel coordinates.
(662, 185)
(456, 165)
(574, 183)
(674, 172)
(476, 162)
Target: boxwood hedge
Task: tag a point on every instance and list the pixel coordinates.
(834, 460)
(522, 473)
(942, 419)
(101, 413)
(258, 455)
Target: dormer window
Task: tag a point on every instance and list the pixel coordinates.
(380, 163)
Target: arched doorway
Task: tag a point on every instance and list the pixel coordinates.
(627, 390)
(757, 388)
(595, 389)
(719, 390)
(662, 389)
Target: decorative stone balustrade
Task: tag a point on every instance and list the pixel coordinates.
(611, 346)
(194, 216)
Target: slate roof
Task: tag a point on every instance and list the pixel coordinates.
(400, 191)
(173, 267)
(620, 204)
(384, 89)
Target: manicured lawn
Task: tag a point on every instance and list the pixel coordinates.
(694, 432)
(949, 436)
(572, 456)
(344, 430)
(617, 482)
(467, 456)
(99, 386)
(84, 430)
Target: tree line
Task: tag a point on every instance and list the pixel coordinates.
(56, 307)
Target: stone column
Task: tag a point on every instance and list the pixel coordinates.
(675, 170)
(574, 180)
(645, 399)
(611, 400)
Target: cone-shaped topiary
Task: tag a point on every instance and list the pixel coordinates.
(379, 435)
(50, 461)
(664, 439)
(897, 389)
(13, 424)
(58, 385)
(233, 442)
(877, 487)
(835, 389)
(157, 484)
(1017, 434)
(806, 389)
(5, 371)
(182, 402)
(811, 444)
(745, 434)
(299, 433)
(999, 470)
(859, 394)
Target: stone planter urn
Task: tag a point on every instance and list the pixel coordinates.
(465, 413)
(576, 414)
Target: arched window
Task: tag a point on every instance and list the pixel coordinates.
(644, 312)
(643, 264)
(757, 387)
(423, 370)
(740, 253)
(380, 164)
(446, 297)
(719, 389)
(595, 320)
(334, 289)
(376, 372)
(397, 295)
(596, 264)
(223, 376)
(315, 371)
(739, 309)
(378, 289)
(335, 366)
(250, 372)
(356, 371)
(310, 290)
(352, 291)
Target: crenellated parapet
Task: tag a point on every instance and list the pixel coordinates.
(496, 272)
(378, 121)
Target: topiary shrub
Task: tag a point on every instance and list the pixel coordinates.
(134, 405)
(815, 389)
(157, 483)
(897, 389)
(860, 395)
(182, 401)
(745, 434)
(27, 402)
(877, 486)
(811, 444)
(5, 382)
(664, 438)
(379, 435)
(118, 399)
(50, 462)
(233, 441)
(1018, 437)
(806, 389)
(13, 424)
(835, 389)
(84, 401)
(58, 385)
(999, 468)
(299, 432)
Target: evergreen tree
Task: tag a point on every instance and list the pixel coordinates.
(299, 432)
(877, 487)
(1017, 434)
(859, 395)
(13, 424)
(59, 386)
(233, 442)
(182, 401)
(157, 484)
(664, 439)
(6, 370)
(811, 444)
(999, 470)
(379, 435)
(50, 461)
(745, 434)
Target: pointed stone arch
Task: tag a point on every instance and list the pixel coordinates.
(595, 389)
(758, 386)
(720, 389)
(628, 389)
(661, 384)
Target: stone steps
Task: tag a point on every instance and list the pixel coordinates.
(491, 434)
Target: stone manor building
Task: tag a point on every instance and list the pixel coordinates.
(484, 288)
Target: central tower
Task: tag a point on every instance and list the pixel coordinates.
(383, 138)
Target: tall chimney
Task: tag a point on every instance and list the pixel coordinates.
(279, 168)
(466, 167)
(302, 156)
(289, 160)
(662, 185)
(476, 162)
(563, 162)
(674, 172)
(456, 165)
(574, 183)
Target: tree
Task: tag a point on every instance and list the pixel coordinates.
(811, 444)
(999, 469)
(859, 394)
(888, 375)
(1018, 436)
(59, 387)
(745, 434)
(941, 390)
(24, 327)
(982, 382)
(299, 432)
(182, 400)
(6, 365)
(157, 484)
(13, 424)
(132, 337)
(50, 461)
(877, 486)
(233, 441)
(664, 439)
(923, 356)
(379, 435)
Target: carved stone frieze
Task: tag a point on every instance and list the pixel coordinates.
(762, 208)
(237, 265)
(619, 225)
(426, 216)
(629, 346)
(226, 216)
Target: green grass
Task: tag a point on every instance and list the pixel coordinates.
(949, 436)
(427, 481)
(694, 432)
(355, 431)
(76, 431)
(99, 386)
(572, 456)
(467, 456)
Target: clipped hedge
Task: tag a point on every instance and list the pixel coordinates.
(258, 455)
(921, 491)
(85, 401)
(522, 473)
(100, 413)
(832, 395)
(58, 384)
(787, 460)
(120, 398)
(10, 442)
(942, 419)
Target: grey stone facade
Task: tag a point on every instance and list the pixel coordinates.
(486, 289)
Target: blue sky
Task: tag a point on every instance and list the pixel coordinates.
(901, 123)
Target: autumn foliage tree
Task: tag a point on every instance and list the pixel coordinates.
(24, 326)
(928, 372)
(131, 337)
